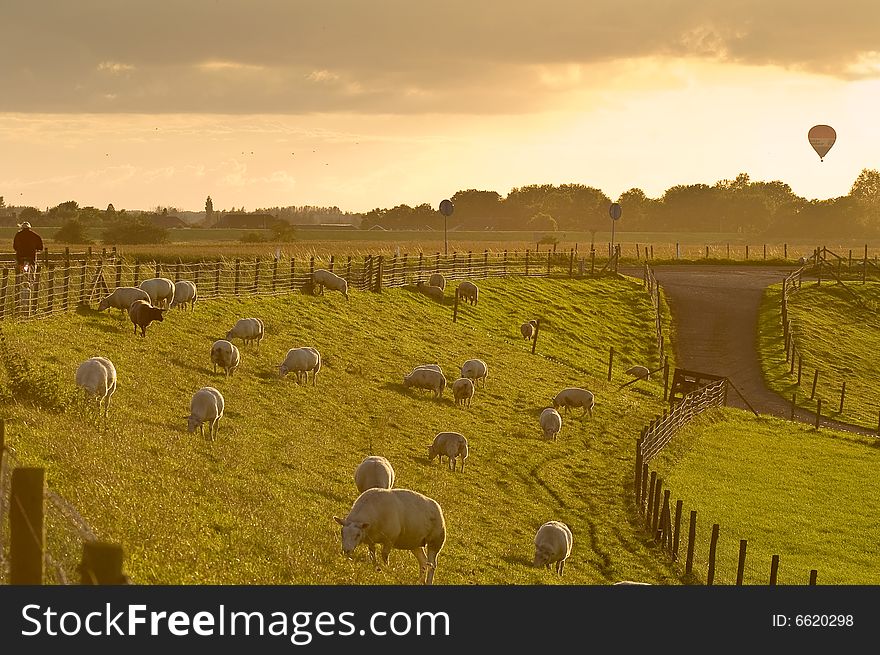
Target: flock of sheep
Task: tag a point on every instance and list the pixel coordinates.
(382, 514)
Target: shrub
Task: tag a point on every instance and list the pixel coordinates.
(134, 230)
(72, 231)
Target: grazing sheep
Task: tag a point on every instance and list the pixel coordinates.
(468, 291)
(122, 297)
(528, 329)
(639, 372)
(142, 314)
(184, 292)
(463, 391)
(433, 367)
(551, 423)
(324, 278)
(160, 290)
(301, 361)
(553, 544)
(225, 355)
(396, 518)
(434, 293)
(437, 280)
(206, 406)
(374, 472)
(476, 370)
(451, 445)
(426, 378)
(575, 397)
(97, 377)
(246, 329)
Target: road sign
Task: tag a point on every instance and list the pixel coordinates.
(615, 211)
(446, 207)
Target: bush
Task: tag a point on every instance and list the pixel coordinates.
(252, 237)
(72, 231)
(134, 230)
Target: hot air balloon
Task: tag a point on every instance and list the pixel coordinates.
(822, 137)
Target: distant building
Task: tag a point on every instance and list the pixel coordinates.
(246, 221)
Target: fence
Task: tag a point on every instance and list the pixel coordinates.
(653, 288)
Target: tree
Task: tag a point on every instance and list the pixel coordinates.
(865, 194)
(134, 230)
(73, 231)
(2, 203)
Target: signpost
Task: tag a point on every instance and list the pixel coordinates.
(615, 211)
(446, 208)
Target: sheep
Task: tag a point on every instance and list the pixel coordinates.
(449, 444)
(374, 472)
(301, 361)
(639, 372)
(396, 518)
(476, 370)
(226, 355)
(463, 391)
(206, 406)
(433, 367)
(184, 292)
(468, 291)
(142, 314)
(324, 278)
(160, 290)
(553, 544)
(246, 329)
(97, 377)
(551, 423)
(575, 397)
(122, 297)
(528, 329)
(437, 280)
(426, 378)
(434, 293)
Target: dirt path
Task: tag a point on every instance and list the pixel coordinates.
(715, 311)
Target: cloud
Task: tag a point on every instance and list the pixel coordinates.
(115, 67)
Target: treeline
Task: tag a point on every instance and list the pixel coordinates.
(731, 206)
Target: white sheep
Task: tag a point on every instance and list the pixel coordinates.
(551, 423)
(639, 372)
(324, 278)
(553, 543)
(575, 397)
(476, 370)
(122, 297)
(528, 329)
(468, 291)
(246, 329)
(160, 290)
(434, 293)
(396, 518)
(301, 361)
(463, 391)
(437, 280)
(433, 367)
(451, 445)
(206, 406)
(426, 378)
(97, 377)
(374, 472)
(225, 354)
(184, 292)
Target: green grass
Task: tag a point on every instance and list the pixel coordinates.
(256, 505)
(836, 336)
(809, 497)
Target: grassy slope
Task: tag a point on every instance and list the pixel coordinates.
(809, 497)
(836, 336)
(256, 505)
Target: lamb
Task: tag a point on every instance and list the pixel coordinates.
(528, 329)
(552, 544)
(463, 391)
(324, 278)
(468, 291)
(575, 397)
(434, 293)
(476, 370)
(450, 444)
(551, 423)
(206, 406)
(122, 297)
(396, 518)
(374, 472)
(184, 292)
(246, 329)
(142, 314)
(160, 290)
(426, 378)
(97, 377)
(437, 280)
(225, 354)
(639, 372)
(301, 361)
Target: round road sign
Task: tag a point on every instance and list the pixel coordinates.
(446, 207)
(615, 211)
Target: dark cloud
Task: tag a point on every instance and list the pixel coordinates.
(270, 56)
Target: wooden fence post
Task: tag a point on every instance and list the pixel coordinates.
(655, 514)
(800, 367)
(535, 336)
(571, 263)
(638, 473)
(815, 380)
(292, 274)
(842, 397)
(82, 284)
(814, 574)
(237, 276)
(692, 536)
(455, 308)
(137, 274)
(644, 489)
(65, 286)
(793, 404)
(274, 274)
(774, 570)
(661, 535)
(650, 505)
(710, 577)
(610, 362)
(548, 262)
(379, 266)
(333, 263)
(3, 292)
(118, 273)
(256, 275)
(50, 296)
(27, 530)
(470, 266)
(504, 269)
(527, 262)
(818, 412)
(741, 566)
(676, 534)
(666, 378)
(217, 278)
(177, 271)
(102, 564)
(785, 251)
(158, 269)
(747, 251)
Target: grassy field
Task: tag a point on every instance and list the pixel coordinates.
(809, 497)
(834, 335)
(256, 506)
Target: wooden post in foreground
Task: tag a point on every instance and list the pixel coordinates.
(741, 566)
(713, 544)
(102, 564)
(610, 362)
(813, 575)
(774, 570)
(27, 531)
(692, 535)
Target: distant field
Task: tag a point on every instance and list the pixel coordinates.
(809, 497)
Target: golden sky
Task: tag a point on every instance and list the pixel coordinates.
(366, 104)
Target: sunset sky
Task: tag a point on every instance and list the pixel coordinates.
(364, 104)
